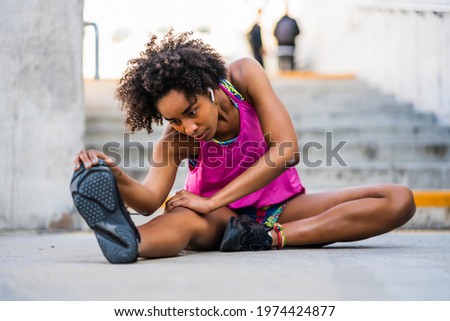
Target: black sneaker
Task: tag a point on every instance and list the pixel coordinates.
(95, 194)
(244, 234)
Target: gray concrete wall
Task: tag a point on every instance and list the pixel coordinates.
(400, 46)
(41, 109)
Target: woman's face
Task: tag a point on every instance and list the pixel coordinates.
(196, 117)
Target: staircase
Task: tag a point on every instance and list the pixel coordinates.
(349, 133)
(381, 140)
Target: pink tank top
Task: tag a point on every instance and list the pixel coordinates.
(217, 165)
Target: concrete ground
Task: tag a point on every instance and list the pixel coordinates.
(401, 265)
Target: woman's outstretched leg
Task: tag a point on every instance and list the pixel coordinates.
(99, 202)
(346, 215)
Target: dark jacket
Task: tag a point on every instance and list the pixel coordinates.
(254, 37)
(286, 30)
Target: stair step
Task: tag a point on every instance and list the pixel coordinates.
(414, 175)
(394, 151)
(369, 132)
(369, 115)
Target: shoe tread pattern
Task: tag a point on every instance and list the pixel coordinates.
(100, 187)
(93, 213)
(99, 203)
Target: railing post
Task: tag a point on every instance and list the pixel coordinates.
(86, 24)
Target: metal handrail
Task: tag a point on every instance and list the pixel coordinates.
(418, 8)
(89, 24)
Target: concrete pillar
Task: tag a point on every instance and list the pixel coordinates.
(41, 109)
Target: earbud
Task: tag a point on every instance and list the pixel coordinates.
(212, 94)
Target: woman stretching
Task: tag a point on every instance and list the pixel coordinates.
(242, 191)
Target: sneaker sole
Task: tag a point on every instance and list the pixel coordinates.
(95, 194)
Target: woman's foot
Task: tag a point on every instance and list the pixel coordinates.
(244, 234)
(95, 194)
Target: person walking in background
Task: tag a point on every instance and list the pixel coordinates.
(255, 40)
(285, 32)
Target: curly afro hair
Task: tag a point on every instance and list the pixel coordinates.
(177, 62)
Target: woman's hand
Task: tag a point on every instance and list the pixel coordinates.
(183, 198)
(91, 157)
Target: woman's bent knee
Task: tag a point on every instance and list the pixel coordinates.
(402, 204)
(186, 218)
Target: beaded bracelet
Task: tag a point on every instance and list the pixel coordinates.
(280, 235)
